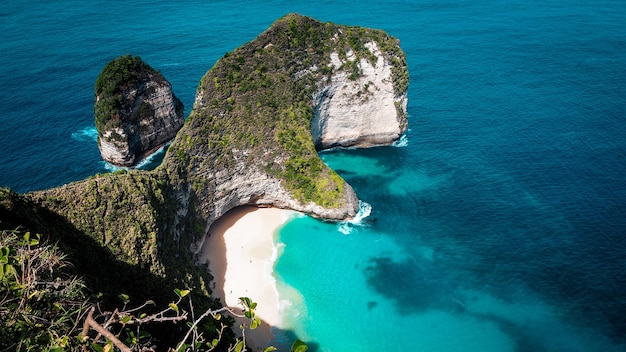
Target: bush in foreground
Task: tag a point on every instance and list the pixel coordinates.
(42, 308)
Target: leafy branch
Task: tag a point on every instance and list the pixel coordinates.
(139, 340)
(41, 310)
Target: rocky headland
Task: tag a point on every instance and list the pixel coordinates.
(260, 116)
(260, 112)
(136, 111)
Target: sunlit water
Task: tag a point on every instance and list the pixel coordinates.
(496, 224)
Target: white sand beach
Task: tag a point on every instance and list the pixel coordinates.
(241, 255)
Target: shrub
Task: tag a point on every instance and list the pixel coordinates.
(40, 303)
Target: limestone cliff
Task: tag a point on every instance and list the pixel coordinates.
(250, 139)
(262, 109)
(361, 108)
(136, 111)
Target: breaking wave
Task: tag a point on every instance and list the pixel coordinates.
(346, 227)
(153, 160)
(112, 168)
(149, 163)
(402, 142)
(87, 134)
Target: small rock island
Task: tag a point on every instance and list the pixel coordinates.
(135, 110)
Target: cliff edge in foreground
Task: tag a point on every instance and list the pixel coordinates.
(135, 110)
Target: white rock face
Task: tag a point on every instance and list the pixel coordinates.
(143, 132)
(359, 111)
(113, 149)
(246, 184)
(254, 187)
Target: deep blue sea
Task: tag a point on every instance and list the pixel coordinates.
(499, 224)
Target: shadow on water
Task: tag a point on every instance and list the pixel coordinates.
(414, 287)
(487, 231)
(524, 340)
(418, 288)
(285, 338)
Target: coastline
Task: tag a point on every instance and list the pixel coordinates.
(241, 255)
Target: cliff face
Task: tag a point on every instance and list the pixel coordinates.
(136, 111)
(262, 110)
(359, 109)
(250, 139)
(245, 183)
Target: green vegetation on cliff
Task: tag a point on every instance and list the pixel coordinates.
(118, 232)
(116, 79)
(133, 215)
(259, 99)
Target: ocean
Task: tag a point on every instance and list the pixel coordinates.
(498, 223)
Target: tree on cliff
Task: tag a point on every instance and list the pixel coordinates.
(117, 76)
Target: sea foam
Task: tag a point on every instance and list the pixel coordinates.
(401, 142)
(152, 161)
(346, 227)
(110, 167)
(87, 134)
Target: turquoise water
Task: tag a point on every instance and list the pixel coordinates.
(498, 226)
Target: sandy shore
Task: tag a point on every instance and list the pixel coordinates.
(241, 256)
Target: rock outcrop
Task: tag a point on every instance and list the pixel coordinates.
(244, 183)
(136, 111)
(359, 110)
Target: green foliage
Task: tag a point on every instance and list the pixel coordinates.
(39, 302)
(120, 73)
(249, 312)
(299, 346)
(43, 309)
(117, 76)
(249, 307)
